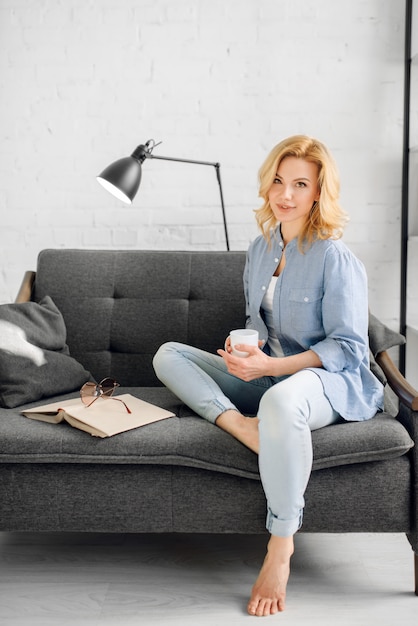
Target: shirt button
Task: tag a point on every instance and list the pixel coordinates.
(276, 260)
(281, 244)
(263, 287)
(306, 299)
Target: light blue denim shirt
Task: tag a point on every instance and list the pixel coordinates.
(320, 303)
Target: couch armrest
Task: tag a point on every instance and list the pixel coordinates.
(25, 290)
(404, 391)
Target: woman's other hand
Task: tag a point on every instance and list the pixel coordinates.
(253, 366)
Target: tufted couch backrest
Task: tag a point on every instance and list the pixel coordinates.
(120, 306)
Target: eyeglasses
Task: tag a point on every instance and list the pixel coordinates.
(89, 392)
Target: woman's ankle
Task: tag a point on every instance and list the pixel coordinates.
(281, 547)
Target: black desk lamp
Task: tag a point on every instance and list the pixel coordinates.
(122, 178)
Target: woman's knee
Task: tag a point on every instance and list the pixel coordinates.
(162, 358)
(281, 407)
(279, 398)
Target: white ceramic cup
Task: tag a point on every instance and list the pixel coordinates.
(245, 336)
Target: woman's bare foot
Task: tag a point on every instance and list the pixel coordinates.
(245, 429)
(269, 592)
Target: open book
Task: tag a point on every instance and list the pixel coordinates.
(104, 418)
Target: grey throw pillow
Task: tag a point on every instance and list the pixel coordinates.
(34, 359)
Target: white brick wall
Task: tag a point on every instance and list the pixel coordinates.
(83, 83)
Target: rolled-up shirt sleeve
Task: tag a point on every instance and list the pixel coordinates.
(344, 313)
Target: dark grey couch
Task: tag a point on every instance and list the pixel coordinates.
(183, 474)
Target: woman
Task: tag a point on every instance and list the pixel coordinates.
(306, 294)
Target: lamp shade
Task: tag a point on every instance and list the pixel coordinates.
(122, 178)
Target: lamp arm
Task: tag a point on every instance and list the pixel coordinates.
(164, 158)
(147, 154)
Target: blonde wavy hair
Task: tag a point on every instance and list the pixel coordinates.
(327, 219)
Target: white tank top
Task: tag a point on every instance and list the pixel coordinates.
(267, 306)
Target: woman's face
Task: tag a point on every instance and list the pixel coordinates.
(293, 192)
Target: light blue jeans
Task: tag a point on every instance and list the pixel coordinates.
(288, 410)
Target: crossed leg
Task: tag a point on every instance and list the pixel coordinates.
(285, 466)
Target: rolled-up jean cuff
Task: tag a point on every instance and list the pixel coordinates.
(214, 409)
(281, 527)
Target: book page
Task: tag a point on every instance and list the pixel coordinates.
(52, 413)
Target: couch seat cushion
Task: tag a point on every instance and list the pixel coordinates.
(187, 441)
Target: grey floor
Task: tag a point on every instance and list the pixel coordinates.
(200, 580)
